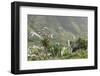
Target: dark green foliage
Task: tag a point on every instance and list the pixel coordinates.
(45, 42)
(82, 43)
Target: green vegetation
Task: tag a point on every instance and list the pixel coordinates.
(50, 49)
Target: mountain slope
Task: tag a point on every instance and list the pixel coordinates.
(63, 28)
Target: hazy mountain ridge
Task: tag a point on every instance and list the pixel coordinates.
(63, 28)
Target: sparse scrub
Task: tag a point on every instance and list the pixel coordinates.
(58, 51)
